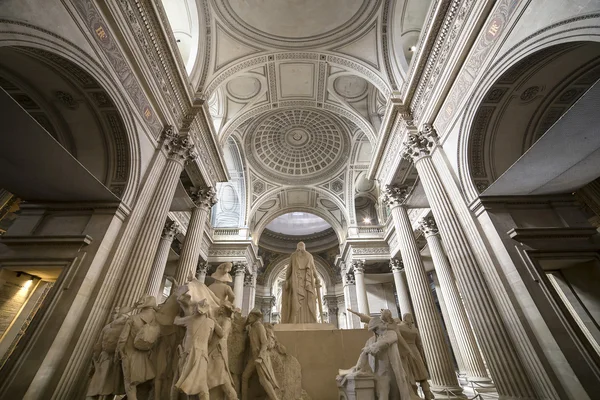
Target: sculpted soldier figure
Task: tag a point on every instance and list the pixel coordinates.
(300, 290)
(138, 337)
(107, 378)
(260, 361)
(220, 287)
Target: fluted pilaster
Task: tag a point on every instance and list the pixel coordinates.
(239, 272)
(437, 353)
(401, 286)
(135, 279)
(505, 366)
(170, 230)
(358, 266)
(457, 317)
(204, 199)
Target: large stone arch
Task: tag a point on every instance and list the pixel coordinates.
(120, 129)
(317, 202)
(525, 57)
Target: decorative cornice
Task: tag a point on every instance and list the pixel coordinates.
(393, 195)
(205, 197)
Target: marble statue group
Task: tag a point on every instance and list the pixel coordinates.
(393, 357)
(195, 345)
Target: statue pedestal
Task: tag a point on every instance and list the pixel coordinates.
(357, 388)
(303, 327)
(322, 350)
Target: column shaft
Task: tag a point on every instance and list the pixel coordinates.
(437, 353)
(135, 278)
(402, 290)
(505, 366)
(238, 286)
(451, 334)
(361, 291)
(190, 252)
(160, 261)
(467, 344)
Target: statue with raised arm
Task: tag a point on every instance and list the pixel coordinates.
(406, 355)
(417, 365)
(381, 358)
(299, 301)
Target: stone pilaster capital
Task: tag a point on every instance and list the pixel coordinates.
(202, 268)
(396, 265)
(428, 226)
(418, 145)
(179, 148)
(349, 277)
(394, 196)
(170, 230)
(249, 280)
(204, 197)
(358, 266)
(239, 268)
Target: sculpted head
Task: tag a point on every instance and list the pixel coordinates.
(301, 246)
(376, 325)
(408, 318)
(146, 302)
(386, 315)
(254, 315)
(222, 272)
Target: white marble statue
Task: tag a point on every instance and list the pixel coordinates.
(107, 378)
(300, 289)
(193, 352)
(137, 339)
(417, 365)
(260, 361)
(380, 357)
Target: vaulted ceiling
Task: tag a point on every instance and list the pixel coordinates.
(300, 85)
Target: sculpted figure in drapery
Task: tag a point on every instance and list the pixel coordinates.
(299, 304)
(138, 337)
(107, 375)
(417, 365)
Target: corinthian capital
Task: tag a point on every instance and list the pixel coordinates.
(179, 148)
(358, 266)
(239, 268)
(396, 265)
(205, 197)
(428, 226)
(170, 230)
(393, 195)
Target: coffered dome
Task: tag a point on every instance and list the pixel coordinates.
(297, 146)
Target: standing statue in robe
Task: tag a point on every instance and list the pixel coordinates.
(299, 304)
(417, 365)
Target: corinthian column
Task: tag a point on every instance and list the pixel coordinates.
(401, 287)
(358, 267)
(239, 272)
(503, 361)
(179, 150)
(170, 230)
(443, 378)
(457, 316)
(204, 199)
